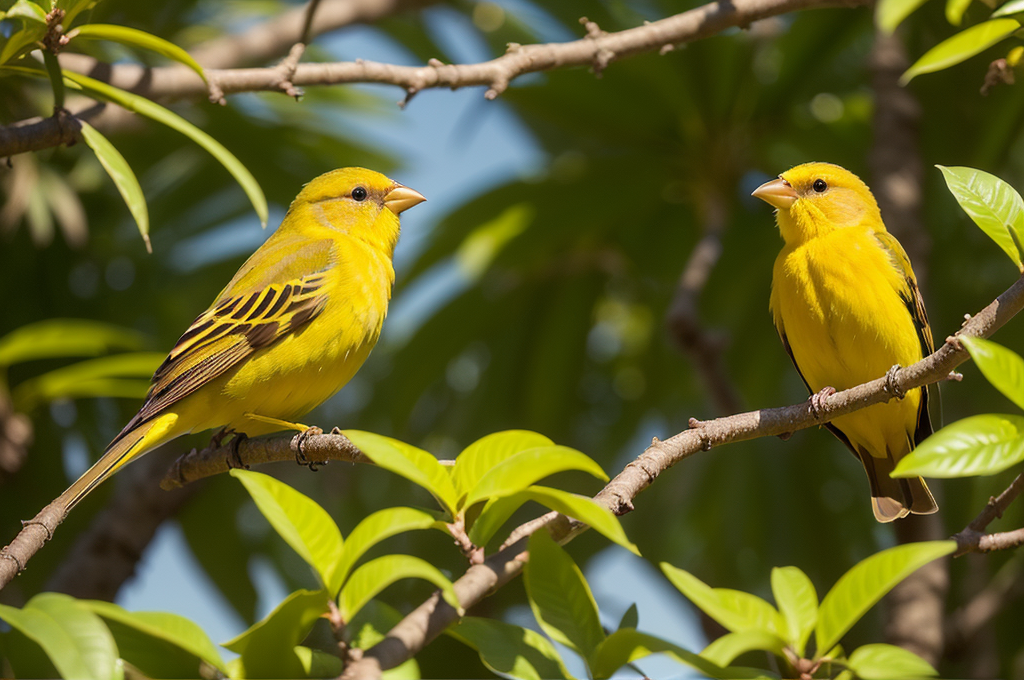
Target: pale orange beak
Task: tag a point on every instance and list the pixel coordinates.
(400, 199)
(777, 192)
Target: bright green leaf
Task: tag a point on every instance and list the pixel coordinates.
(171, 628)
(103, 377)
(30, 11)
(994, 205)
(798, 603)
(317, 664)
(74, 638)
(890, 13)
(1002, 367)
(978, 445)
(33, 19)
(510, 651)
(483, 454)
(630, 618)
(527, 467)
(560, 597)
(955, 10)
(1010, 8)
(628, 645)
(866, 583)
(735, 610)
(725, 649)
(124, 179)
(416, 465)
(300, 521)
(133, 102)
(64, 338)
(598, 517)
(136, 38)
(961, 46)
(376, 575)
(888, 662)
(374, 529)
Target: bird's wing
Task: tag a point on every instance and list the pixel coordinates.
(911, 296)
(231, 330)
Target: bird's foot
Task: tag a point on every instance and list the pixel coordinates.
(299, 446)
(891, 385)
(817, 401)
(217, 439)
(234, 459)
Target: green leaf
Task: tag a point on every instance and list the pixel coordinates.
(64, 338)
(136, 38)
(888, 662)
(103, 377)
(737, 611)
(798, 603)
(890, 13)
(267, 648)
(171, 628)
(630, 618)
(955, 10)
(33, 19)
(73, 8)
(526, 467)
(23, 9)
(1002, 367)
(866, 583)
(560, 597)
(598, 517)
(725, 649)
(374, 529)
(961, 46)
(74, 638)
(53, 71)
(317, 664)
(483, 454)
(628, 645)
(300, 521)
(133, 102)
(510, 651)
(416, 465)
(979, 445)
(1012, 7)
(124, 179)
(376, 575)
(994, 205)
(483, 244)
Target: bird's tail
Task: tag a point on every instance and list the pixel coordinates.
(128, 445)
(895, 498)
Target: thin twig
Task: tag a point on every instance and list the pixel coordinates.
(973, 537)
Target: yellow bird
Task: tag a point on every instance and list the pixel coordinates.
(847, 307)
(290, 329)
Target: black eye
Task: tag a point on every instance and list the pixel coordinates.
(359, 193)
(819, 185)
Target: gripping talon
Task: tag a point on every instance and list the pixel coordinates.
(234, 459)
(817, 401)
(299, 445)
(890, 383)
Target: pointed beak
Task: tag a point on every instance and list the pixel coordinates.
(777, 192)
(402, 198)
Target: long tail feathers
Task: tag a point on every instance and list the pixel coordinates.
(891, 498)
(128, 446)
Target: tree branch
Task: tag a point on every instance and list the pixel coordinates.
(973, 537)
(597, 49)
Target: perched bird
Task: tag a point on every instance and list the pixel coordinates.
(847, 307)
(289, 330)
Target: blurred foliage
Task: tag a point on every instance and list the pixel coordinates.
(564, 279)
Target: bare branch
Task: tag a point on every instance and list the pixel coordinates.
(973, 537)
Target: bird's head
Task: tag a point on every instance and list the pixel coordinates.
(360, 202)
(814, 199)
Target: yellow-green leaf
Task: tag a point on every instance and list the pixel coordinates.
(961, 46)
(978, 445)
(137, 38)
(124, 179)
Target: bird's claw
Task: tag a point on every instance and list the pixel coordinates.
(218, 438)
(891, 386)
(299, 446)
(816, 403)
(234, 459)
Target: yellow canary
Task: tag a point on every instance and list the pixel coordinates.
(847, 307)
(290, 329)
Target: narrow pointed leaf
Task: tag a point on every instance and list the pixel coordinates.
(300, 521)
(1002, 367)
(64, 338)
(888, 662)
(890, 13)
(978, 445)
(994, 205)
(961, 46)
(136, 38)
(955, 11)
(630, 618)
(560, 597)
(527, 467)
(797, 601)
(867, 582)
(1009, 9)
(510, 651)
(416, 465)
(124, 179)
(376, 575)
(74, 638)
(735, 610)
(628, 645)
(104, 377)
(483, 454)
(725, 649)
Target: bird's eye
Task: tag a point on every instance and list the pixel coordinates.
(819, 185)
(359, 194)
